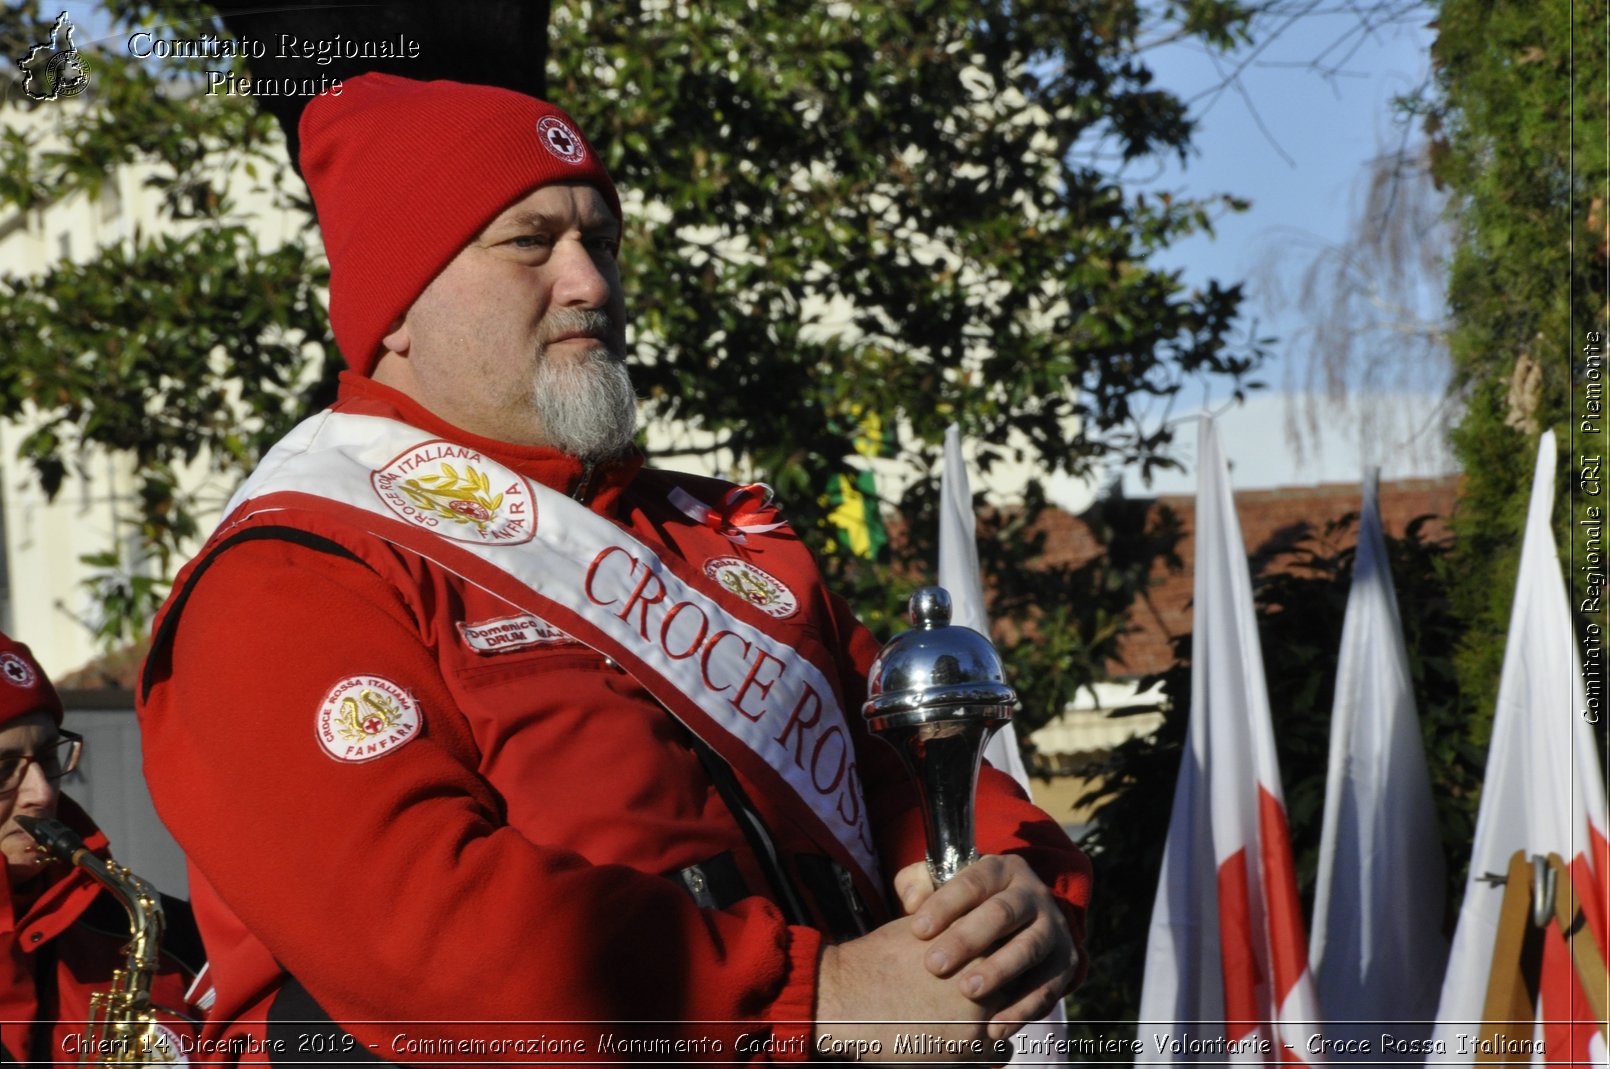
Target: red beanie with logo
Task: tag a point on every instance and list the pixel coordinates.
(404, 173)
(23, 686)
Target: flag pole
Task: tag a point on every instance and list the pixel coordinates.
(1538, 895)
(1509, 1011)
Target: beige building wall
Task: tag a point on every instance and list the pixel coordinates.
(44, 601)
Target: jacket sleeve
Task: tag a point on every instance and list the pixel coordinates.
(1005, 820)
(391, 888)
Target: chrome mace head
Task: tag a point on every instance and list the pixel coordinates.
(937, 693)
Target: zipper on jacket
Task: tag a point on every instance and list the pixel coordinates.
(852, 897)
(580, 493)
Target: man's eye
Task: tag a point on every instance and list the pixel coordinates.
(9, 766)
(530, 241)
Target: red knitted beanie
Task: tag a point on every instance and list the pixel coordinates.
(23, 686)
(404, 173)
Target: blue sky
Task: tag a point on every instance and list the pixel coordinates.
(1296, 145)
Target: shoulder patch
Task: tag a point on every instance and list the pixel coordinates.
(365, 717)
(759, 588)
(458, 493)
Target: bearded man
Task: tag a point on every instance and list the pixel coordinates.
(466, 718)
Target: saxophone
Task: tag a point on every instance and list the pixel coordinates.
(122, 1029)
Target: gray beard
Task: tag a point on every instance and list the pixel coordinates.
(587, 408)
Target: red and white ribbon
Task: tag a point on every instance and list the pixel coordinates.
(744, 510)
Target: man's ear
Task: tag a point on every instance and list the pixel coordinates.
(397, 339)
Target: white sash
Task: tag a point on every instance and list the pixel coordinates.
(759, 702)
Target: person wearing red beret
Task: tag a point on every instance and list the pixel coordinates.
(62, 933)
(485, 741)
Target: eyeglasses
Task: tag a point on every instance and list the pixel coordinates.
(55, 761)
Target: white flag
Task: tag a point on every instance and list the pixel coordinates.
(1542, 791)
(1226, 960)
(1377, 949)
(959, 574)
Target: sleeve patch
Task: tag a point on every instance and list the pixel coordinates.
(365, 717)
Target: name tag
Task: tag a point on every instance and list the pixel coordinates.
(511, 633)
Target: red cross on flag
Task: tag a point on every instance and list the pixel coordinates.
(1226, 959)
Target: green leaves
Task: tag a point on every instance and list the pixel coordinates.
(876, 208)
(1528, 277)
(182, 353)
(844, 211)
(179, 353)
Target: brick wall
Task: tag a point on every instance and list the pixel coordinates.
(1271, 521)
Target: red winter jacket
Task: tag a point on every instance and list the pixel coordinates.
(61, 945)
(548, 846)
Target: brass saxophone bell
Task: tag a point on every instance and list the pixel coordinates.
(936, 693)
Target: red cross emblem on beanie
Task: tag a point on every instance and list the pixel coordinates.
(561, 140)
(16, 669)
